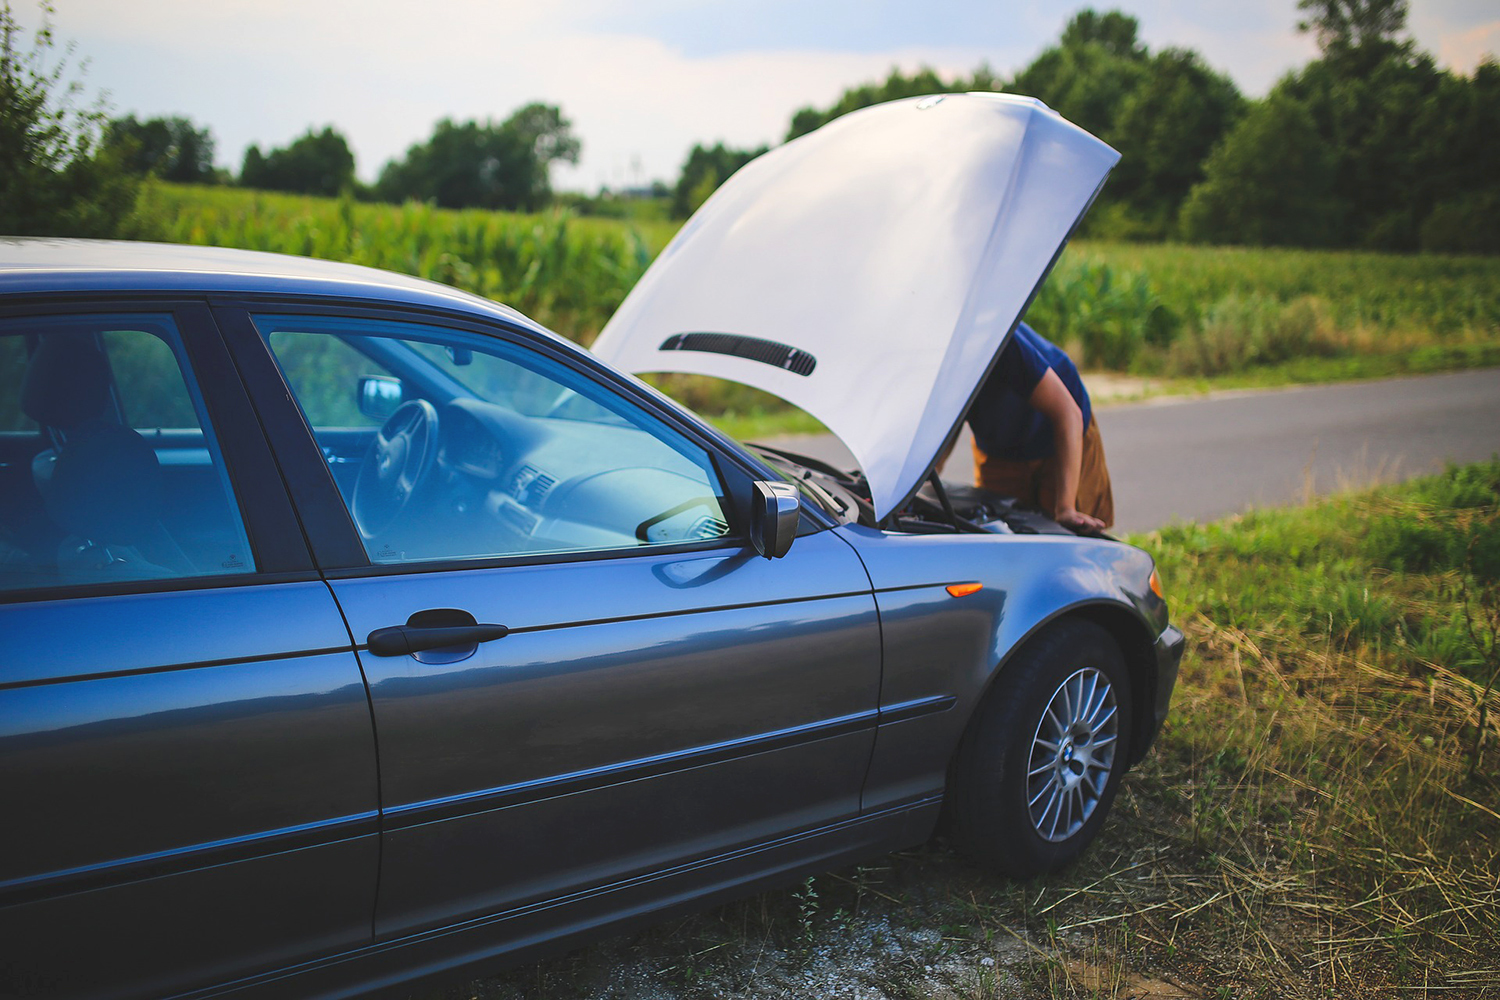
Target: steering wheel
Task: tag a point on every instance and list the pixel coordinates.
(399, 462)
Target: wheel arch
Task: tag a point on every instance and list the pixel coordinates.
(1136, 643)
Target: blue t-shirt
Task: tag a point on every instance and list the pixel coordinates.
(1004, 423)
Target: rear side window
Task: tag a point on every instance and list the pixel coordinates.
(109, 470)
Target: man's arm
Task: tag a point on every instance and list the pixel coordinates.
(1052, 400)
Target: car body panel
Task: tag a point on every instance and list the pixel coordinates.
(892, 250)
(937, 646)
(645, 711)
(166, 752)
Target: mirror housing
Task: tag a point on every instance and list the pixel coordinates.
(775, 510)
(379, 396)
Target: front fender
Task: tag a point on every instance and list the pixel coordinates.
(941, 653)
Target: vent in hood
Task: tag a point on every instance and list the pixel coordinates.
(753, 348)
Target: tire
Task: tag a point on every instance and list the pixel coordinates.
(1022, 801)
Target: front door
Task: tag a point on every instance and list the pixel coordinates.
(660, 694)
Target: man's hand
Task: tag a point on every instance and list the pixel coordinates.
(1079, 521)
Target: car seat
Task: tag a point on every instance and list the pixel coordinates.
(101, 481)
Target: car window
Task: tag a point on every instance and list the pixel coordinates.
(111, 472)
(485, 449)
(321, 371)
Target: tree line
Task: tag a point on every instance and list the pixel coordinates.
(467, 164)
(72, 170)
(1370, 145)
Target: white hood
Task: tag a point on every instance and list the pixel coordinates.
(885, 257)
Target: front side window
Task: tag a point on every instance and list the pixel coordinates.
(452, 445)
(109, 470)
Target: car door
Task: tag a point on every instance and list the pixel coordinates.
(187, 763)
(649, 692)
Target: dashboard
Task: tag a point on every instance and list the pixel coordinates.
(504, 483)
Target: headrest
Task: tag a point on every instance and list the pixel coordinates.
(67, 381)
(106, 486)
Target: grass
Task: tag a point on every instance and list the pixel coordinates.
(1191, 317)
(1307, 826)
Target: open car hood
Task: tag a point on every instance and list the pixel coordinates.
(870, 271)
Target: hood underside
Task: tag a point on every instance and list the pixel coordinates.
(870, 271)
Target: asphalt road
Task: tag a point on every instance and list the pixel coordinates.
(1201, 458)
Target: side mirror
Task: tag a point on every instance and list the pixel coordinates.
(775, 509)
(379, 396)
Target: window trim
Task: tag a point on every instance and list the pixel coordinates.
(258, 497)
(334, 537)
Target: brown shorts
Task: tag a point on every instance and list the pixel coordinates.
(1034, 482)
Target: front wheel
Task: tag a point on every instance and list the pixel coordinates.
(1043, 756)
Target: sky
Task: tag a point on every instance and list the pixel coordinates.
(641, 81)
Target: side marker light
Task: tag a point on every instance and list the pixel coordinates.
(964, 589)
(1156, 585)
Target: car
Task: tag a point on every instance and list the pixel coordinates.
(359, 630)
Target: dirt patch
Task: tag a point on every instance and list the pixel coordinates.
(1114, 387)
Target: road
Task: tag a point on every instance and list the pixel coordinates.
(1203, 457)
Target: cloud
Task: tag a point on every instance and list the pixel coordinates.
(382, 72)
(1463, 51)
(642, 81)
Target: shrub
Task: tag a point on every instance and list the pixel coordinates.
(56, 178)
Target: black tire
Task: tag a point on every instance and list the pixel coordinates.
(997, 798)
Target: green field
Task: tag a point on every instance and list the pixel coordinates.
(1199, 315)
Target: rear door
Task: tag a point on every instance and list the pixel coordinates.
(187, 762)
(659, 694)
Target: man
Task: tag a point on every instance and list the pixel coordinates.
(1035, 437)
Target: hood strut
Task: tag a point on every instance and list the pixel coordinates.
(948, 511)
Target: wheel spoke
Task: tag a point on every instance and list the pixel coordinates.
(1088, 702)
(1104, 718)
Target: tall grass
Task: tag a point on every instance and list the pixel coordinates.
(567, 272)
(1332, 745)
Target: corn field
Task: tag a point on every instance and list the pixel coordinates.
(1149, 308)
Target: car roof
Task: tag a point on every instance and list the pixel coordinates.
(39, 265)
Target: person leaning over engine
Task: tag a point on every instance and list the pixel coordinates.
(1036, 438)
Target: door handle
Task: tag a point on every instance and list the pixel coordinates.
(402, 640)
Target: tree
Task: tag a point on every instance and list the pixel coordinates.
(56, 177)
(1114, 31)
(1088, 76)
(893, 88)
(171, 148)
(474, 165)
(706, 168)
(316, 163)
(1352, 24)
(1268, 183)
(1166, 127)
